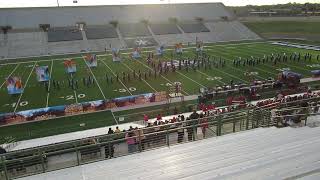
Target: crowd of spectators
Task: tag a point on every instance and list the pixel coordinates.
(280, 98)
(155, 131)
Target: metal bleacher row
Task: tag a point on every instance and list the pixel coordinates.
(100, 32)
(263, 153)
(63, 40)
(193, 27)
(134, 30)
(164, 28)
(64, 34)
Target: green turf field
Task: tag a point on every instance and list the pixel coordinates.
(36, 96)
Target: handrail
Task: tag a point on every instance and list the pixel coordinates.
(213, 117)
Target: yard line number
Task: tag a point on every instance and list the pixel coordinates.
(22, 104)
(131, 89)
(72, 97)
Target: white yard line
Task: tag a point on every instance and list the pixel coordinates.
(191, 79)
(94, 78)
(25, 86)
(10, 74)
(232, 76)
(162, 77)
(142, 79)
(75, 96)
(48, 94)
(114, 74)
(209, 76)
(114, 118)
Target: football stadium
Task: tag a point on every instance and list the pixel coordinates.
(162, 91)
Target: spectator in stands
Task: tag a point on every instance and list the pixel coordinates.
(2, 150)
(140, 138)
(159, 118)
(110, 131)
(130, 141)
(117, 130)
(145, 119)
(130, 128)
(189, 129)
(109, 149)
(180, 132)
(204, 125)
(182, 118)
(194, 115)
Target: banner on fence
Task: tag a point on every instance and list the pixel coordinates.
(84, 107)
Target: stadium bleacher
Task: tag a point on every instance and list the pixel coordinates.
(100, 32)
(134, 30)
(31, 43)
(67, 47)
(98, 27)
(263, 153)
(193, 27)
(99, 45)
(64, 34)
(164, 28)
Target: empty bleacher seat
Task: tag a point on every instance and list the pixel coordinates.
(64, 34)
(193, 27)
(134, 30)
(160, 29)
(101, 32)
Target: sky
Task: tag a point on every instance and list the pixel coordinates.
(48, 3)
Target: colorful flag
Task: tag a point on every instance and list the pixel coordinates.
(42, 73)
(116, 55)
(70, 66)
(14, 85)
(91, 60)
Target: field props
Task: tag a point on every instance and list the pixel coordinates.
(178, 48)
(70, 66)
(14, 85)
(289, 78)
(42, 73)
(199, 46)
(116, 56)
(91, 60)
(136, 53)
(315, 73)
(160, 50)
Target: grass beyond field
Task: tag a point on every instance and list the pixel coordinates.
(286, 29)
(35, 95)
